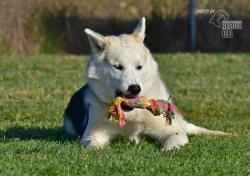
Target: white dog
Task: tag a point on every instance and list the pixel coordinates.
(122, 65)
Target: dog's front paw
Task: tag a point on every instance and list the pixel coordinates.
(89, 142)
(175, 141)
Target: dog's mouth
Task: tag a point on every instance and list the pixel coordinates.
(119, 93)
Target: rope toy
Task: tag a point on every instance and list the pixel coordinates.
(156, 107)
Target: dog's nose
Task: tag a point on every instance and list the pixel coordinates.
(134, 89)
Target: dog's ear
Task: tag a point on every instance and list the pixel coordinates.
(97, 41)
(139, 31)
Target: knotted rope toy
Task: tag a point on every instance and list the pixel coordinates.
(156, 107)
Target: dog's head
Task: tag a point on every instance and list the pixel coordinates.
(120, 65)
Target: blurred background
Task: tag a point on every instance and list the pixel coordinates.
(29, 27)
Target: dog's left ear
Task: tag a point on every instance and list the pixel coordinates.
(139, 31)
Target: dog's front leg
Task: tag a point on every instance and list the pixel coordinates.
(172, 136)
(99, 135)
(175, 140)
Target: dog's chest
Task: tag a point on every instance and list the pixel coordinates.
(132, 129)
(135, 122)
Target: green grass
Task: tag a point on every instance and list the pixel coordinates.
(211, 90)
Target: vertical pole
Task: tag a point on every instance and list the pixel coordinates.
(192, 25)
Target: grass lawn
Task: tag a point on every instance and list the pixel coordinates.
(211, 90)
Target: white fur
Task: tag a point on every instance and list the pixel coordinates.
(103, 79)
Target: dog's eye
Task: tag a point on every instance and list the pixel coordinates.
(139, 67)
(118, 67)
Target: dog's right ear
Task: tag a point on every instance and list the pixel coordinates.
(97, 41)
(139, 31)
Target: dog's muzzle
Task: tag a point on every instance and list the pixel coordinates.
(119, 93)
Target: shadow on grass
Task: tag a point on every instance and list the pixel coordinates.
(17, 133)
